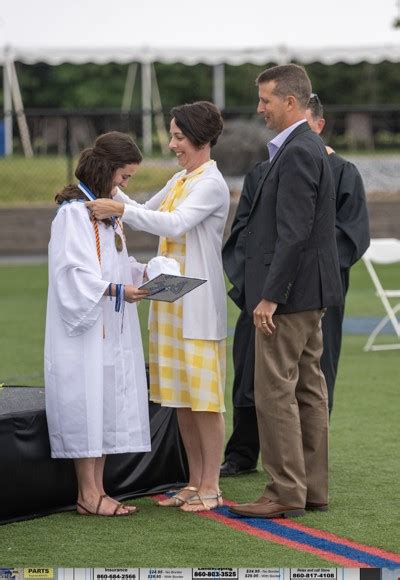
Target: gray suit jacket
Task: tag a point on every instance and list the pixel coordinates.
(291, 256)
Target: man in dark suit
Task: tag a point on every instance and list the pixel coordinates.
(291, 276)
(352, 237)
(243, 447)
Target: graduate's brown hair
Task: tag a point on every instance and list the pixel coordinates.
(290, 79)
(200, 122)
(97, 165)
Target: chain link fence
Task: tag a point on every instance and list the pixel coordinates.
(57, 136)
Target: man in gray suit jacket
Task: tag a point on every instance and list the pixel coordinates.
(291, 276)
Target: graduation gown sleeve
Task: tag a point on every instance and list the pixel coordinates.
(137, 270)
(75, 269)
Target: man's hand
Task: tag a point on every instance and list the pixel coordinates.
(262, 316)
(105, 208)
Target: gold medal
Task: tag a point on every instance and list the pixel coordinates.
(118, 242)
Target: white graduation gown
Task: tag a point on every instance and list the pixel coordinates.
(96, 389)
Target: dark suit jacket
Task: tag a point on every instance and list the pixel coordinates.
(291, 255)
(234, 251)
(352, 223)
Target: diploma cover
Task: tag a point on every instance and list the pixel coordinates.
(169, 287)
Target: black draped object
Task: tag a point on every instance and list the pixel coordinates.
(32, 484)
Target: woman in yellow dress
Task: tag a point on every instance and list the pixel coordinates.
(188, 337)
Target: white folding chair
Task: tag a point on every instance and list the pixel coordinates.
(383, 251)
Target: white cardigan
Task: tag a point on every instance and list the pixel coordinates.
(201, 216)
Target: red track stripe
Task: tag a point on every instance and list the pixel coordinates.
(243, 527)
(340, 540)
(334, 538)
(301, 527)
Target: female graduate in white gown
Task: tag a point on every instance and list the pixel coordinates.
(96, 390)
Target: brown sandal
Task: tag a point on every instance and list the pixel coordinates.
(132, 508)
(96, 513)
(177, 500)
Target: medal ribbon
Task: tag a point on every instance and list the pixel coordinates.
(84, 189)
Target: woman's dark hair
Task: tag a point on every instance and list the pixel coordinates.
(200, 122)
(97, 165)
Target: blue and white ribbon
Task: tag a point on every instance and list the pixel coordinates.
(84, 189)
(90, 195)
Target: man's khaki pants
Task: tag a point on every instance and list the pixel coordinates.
(292, 410)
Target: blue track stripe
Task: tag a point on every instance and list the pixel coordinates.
(273, 527)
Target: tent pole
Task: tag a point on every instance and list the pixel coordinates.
(7, 106)
(129, 86)
(146, 108)
(219, 85)
(19, 109)
(158, 114)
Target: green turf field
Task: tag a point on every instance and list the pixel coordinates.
(364, 460)
(37, 180)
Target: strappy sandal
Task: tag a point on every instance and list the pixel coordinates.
(96, 513)
(132, 508)
(200, 500)
(177, 500)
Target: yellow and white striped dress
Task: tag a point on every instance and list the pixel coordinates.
(183, 372)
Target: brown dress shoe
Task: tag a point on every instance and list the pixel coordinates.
(317, 507)
(265, 508)
(230, 468)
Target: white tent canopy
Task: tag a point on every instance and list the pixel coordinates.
(210, 56)
(148, 55)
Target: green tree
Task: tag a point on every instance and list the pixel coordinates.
(93, 85)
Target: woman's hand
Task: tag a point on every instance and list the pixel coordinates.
(133, 294)
(105, 208)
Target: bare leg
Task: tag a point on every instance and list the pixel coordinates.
(99, 479)
(88, 494)
(99, 473)
(191, 442)
(210, 431)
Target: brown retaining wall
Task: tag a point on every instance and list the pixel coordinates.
(25, 230)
